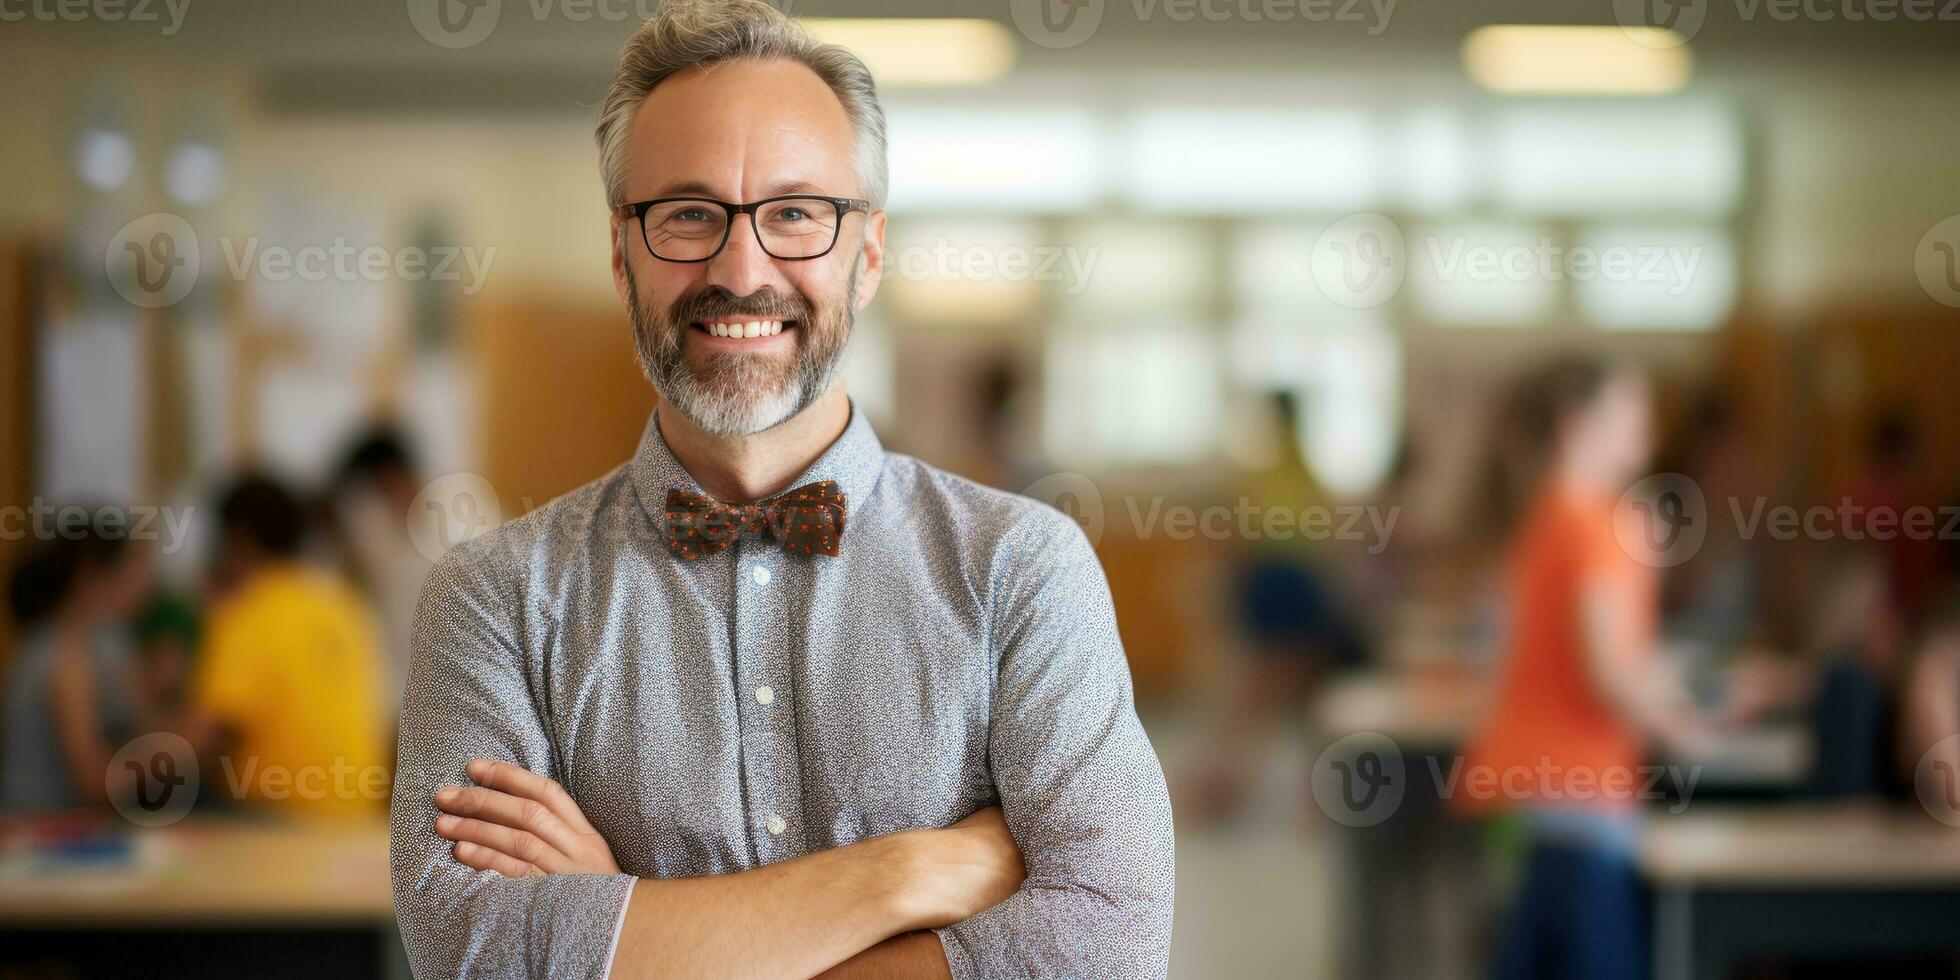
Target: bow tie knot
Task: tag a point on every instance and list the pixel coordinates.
(809, 519)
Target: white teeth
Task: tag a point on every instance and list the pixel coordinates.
(753, 328)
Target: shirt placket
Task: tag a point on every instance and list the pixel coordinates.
(771, 777)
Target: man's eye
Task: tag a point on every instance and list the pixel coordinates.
(792, 214)
(690, 214)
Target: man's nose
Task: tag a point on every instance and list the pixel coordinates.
(743, 267)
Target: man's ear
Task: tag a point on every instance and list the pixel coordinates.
(623, 285)
(871, 258)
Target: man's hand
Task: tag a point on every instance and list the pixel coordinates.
(962, 870)
(518, 823)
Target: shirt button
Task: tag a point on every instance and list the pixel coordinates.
(760, 575)
(765, 695)
(776, 825)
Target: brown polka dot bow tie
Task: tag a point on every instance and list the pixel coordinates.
(809, 519)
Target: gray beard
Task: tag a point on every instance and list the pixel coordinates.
(735, 395)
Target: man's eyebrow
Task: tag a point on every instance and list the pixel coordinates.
(695, 188)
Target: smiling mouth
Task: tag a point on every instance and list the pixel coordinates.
(744, 328)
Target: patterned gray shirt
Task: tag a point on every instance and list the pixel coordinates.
(753, 705)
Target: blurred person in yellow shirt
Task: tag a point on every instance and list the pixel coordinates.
(286, 688)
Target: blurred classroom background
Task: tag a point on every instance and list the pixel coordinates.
(1341, 327)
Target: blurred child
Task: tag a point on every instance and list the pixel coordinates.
(284, 692)
(367, 510)
(69, 703)
(166, 641)
(1582, 693)
(1857, 638)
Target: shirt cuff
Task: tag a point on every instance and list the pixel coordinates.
(618, 927)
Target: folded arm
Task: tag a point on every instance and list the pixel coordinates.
(511, 880)
(1079, 784)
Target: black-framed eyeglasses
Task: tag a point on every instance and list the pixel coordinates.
(695, 229)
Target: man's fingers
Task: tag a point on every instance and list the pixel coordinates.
(510, 811)
(522, 846)
(486, 859)
(519, 781)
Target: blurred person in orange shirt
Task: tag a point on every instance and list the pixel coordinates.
(70, 697)
(1582, 692)
(286, 688)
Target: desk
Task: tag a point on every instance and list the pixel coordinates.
(1820, 880)
(214, 898)
(1422, 710)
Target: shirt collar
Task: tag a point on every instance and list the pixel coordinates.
(855, 460)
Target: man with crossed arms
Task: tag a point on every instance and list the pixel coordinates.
(767, 700)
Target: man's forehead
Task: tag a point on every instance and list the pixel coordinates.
(770, 121)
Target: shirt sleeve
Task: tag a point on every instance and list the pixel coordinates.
(1079, 784)
(469, 696)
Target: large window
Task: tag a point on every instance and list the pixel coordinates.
(1195, 233)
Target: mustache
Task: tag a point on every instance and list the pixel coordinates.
(763, 304)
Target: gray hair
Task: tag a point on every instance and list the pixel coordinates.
(685, 34)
